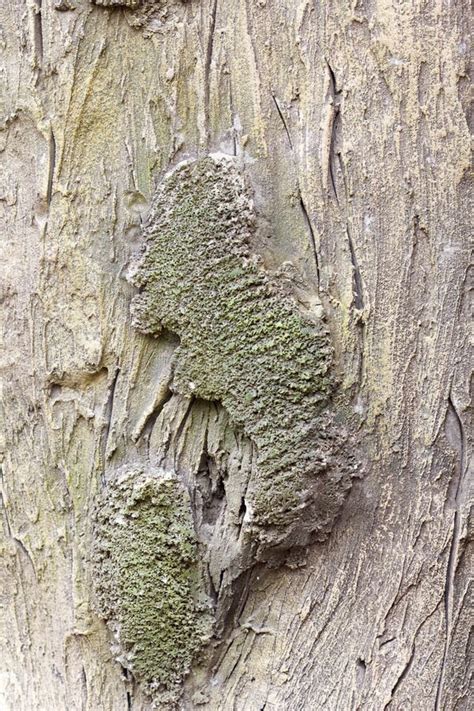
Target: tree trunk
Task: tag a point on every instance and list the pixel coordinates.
(345, 124)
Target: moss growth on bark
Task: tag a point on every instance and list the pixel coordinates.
(244, 341)
(148, 584)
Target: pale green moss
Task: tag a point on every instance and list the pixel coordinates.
(244, 342)
(147, 578)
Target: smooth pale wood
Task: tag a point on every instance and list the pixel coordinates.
(349, 118)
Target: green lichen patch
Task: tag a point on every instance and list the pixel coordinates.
(147, 579)
(243, 340)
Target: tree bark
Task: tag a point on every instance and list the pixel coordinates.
(348, 121)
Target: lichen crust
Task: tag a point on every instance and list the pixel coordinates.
(245, 342)
(147, 578)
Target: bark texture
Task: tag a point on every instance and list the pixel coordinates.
(348, 121)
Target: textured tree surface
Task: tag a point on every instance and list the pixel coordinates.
(348, 121)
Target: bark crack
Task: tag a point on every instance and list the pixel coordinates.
(51, 166)
(146, 425)
(18, 543)
(182, 425)
(330, 131)
(306, 218)
(108, 421)
(335, 95)
(207, 67)
(406, 669)
(312, 238)
(357, 286)
(283, 120)
(38, 33)
(454, 548)
(403, 675)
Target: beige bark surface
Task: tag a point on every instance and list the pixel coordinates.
(349, 120)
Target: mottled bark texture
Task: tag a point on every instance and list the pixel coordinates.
(140, 457)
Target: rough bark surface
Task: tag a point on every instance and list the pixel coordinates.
(348, 119)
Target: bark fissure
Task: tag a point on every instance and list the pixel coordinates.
(38, 40)
(304, 211)
(453, 550)
(409, 663)
(182, 424)
(146, 425)
(312, 239)
(283, 120)
(208, 65)
(334, 120)
(51, 166)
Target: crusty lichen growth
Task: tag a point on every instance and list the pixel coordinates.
(147, 580)
(243, 341)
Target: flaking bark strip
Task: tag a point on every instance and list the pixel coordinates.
(246, 343)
